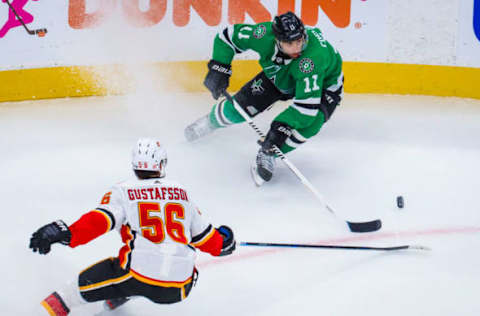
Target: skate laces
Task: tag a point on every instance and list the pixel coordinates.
(266, 161)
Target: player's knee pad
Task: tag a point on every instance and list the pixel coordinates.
(223, 114)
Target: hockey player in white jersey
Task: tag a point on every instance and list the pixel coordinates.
(160, 227)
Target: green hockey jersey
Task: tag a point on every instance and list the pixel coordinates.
(318, 67)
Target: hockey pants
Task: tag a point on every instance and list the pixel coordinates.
(107, 280)
(254, 97)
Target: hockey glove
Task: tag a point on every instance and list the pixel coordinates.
(330, 100)
(218, 78)
(229, 243)
(277, 135)
(47, 235)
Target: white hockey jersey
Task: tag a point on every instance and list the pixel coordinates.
(160, 227)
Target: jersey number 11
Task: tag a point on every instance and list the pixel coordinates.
(314, 87)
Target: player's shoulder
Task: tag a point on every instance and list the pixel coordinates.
(259, 32)
(317, 45)
(261, 29)
(316, 39)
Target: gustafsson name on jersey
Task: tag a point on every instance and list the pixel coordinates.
(157, 194)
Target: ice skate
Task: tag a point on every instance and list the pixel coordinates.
(113, 303)
(255, 176)
(199, 128)
(262, 171)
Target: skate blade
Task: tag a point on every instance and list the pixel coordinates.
(255, 177)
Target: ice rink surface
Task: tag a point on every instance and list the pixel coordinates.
(60, 156)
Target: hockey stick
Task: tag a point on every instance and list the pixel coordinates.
(267, 244)
(357, 227)
(40, 32)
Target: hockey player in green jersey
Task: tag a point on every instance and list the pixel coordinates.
(297, 63)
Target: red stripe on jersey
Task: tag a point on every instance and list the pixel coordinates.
(88, 227)
(213, 245)
(127, 238)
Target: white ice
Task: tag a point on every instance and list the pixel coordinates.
(59, 156)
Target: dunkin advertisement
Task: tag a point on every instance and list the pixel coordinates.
(42, 33)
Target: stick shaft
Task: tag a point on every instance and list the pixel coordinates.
(281, 245)
(280, 154)
(354, 227)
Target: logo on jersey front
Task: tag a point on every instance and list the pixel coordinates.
(257, 87)
(259, 31)
(306, 65)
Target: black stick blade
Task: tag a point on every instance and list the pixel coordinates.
(365, 227)
(40, 31)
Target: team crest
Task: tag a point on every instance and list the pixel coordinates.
(306, 65)
(259, 31)
(257, 87)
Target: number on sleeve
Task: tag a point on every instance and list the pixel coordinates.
(106, 198)
(248, 30)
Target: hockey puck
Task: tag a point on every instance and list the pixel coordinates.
(400, 201)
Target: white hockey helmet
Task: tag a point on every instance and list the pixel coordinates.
(149, 155)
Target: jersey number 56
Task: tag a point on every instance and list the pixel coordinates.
(153, 228)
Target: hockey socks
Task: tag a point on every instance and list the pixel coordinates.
(224, 114)
(55, 305)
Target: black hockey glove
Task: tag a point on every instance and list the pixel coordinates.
(277, 135)
(229, 242)
(47, 235)
(218, 78)
(329, 102)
